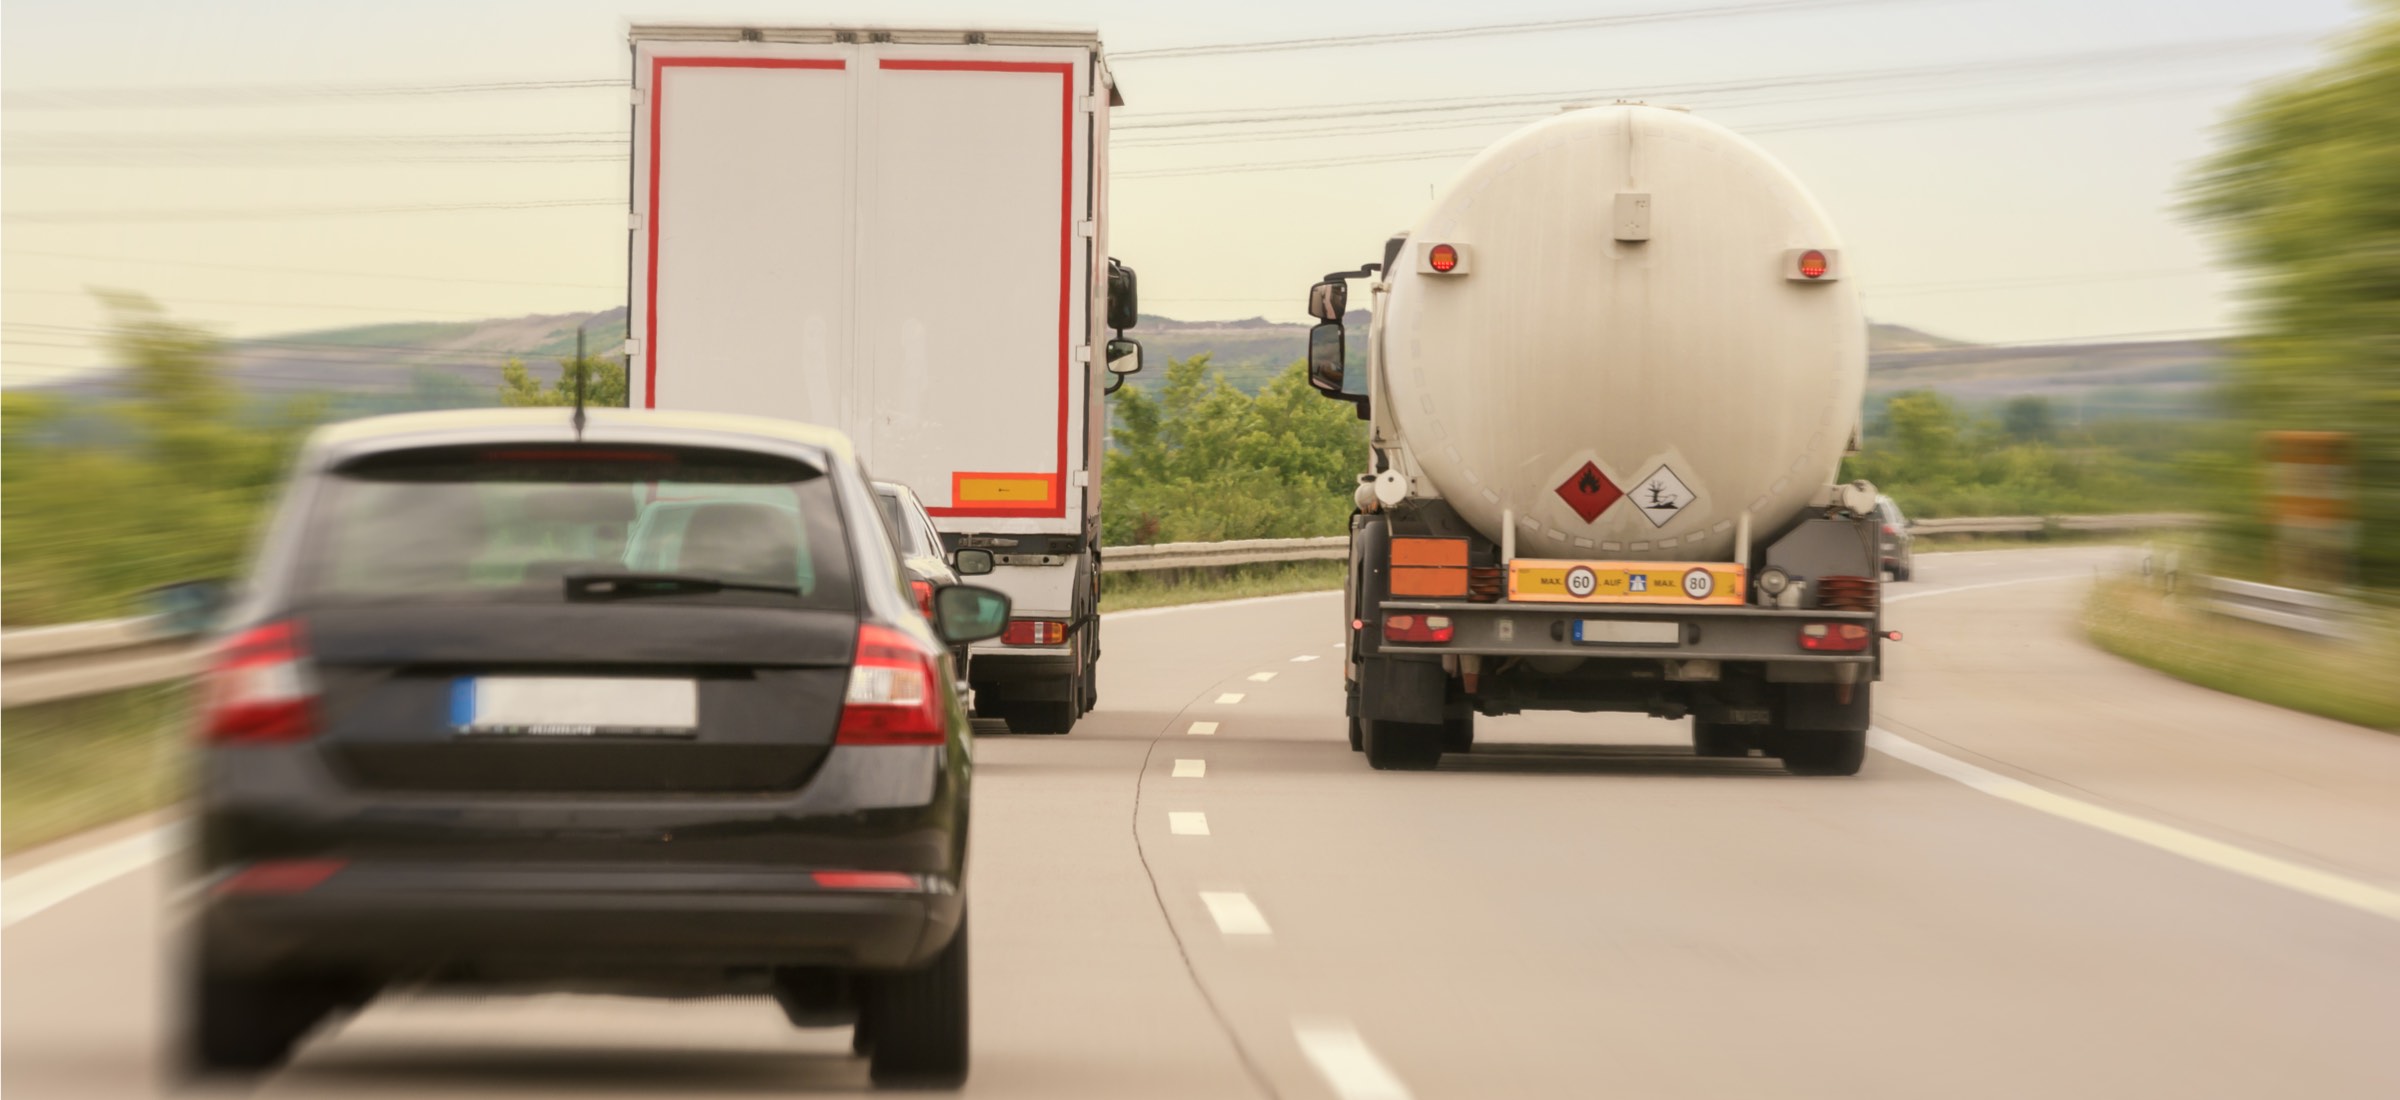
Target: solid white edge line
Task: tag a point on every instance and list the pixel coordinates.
(1346, 1062)
(27, 893)
(1187, 823)
(2323, 885)
(1905, 596)
(1235, 913)
(1202, 729)
(1191, 769)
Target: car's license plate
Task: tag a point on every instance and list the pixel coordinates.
(1625, 632)
(573, 706)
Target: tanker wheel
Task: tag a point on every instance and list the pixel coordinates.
(1403, 746)
(1719, 739)
(1458, 734)
(1824, 752)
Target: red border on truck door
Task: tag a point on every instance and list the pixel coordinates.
(1055, 502)
(658, 111)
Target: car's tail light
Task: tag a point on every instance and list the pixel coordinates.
(924, 591)
(1417, 628)
(281, 876)
(260, 689)
(863, 880)
(1835, 637)
(892, 699)
(1034, 632)
(1890, 530)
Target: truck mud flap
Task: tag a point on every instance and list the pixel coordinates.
(1398, 689)
(1819, 707)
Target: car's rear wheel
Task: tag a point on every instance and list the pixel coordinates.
(915, 1021)
(1403, 746)
(244, 1025)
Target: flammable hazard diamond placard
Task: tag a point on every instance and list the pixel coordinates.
(1589, 492)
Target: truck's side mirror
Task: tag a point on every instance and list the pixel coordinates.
(1327, 301)
(1327, 355)
(1124, 299)
(1124, 361)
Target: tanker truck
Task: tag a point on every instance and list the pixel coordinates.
(1611, 375)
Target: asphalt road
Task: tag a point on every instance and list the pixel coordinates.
(2106, 884)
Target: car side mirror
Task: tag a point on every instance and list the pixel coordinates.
(971, 562)
(188, 607)
(1328, 300)
(964, 613)
(1327, 357)
(1124, 298)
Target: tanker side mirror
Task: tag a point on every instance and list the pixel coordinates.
(1327, 301)
(1327, 355)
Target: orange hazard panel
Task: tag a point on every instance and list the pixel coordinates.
(1017, 489)
(1435, 552)
(1441, 581)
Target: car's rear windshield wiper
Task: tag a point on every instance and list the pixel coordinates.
(627, 586)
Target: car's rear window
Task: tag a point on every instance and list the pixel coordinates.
(904, 526)
(516, 522)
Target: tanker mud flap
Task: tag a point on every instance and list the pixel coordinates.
(1402, 689)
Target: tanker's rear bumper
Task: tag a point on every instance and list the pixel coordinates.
(1725, 634)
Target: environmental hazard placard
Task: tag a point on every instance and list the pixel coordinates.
(1661, 496)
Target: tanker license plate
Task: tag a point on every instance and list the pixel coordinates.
(1623, 632)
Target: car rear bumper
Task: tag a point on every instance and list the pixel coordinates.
(398, 920)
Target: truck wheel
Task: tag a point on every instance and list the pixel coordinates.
(1824, 752)
(916, 1021)
(1718, 739)
(1403, 746)
(1350, 708)
(1458, 734)
(1041, 716)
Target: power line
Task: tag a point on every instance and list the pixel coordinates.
(310, 270)
(1488, 30)
(70, 217)
(69, 99)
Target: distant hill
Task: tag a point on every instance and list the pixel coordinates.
(452, 364)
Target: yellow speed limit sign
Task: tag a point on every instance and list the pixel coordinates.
(1626, 582)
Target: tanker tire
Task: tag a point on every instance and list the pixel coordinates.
(1458, 734)
(1403, 746)
(1824, 752)
(1716, 739)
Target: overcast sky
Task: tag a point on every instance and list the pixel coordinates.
(2002, 170)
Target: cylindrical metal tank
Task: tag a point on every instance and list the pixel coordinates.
(1623, 397)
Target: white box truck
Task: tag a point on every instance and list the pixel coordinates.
(1611, 373)
(901, 234)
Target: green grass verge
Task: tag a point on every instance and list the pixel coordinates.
(2351, 683)
(78, 764)
(1163, 588)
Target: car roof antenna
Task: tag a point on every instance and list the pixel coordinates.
(580, 370)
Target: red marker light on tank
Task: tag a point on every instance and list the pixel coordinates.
(1442, 258)
(1813, 264)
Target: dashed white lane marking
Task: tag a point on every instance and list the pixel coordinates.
(1235, 913)
(1187, 823)
(1191, 769)
(1346, 1062)
(1304, 657)
(29, 892)
(1262, 677)
(1337, 645)
(1230, 697)
(1202, 729)
(2323, 885)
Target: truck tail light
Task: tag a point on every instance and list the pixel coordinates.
(924, 591)
(891, 699)
(1034, 632)
(1443, 258)
(1417, 628)
(1835, 637)
(280, 876)
(260, 690)
(863, 880)
(1813, 265)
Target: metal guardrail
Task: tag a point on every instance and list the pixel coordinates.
(2291, 609)
(47, 664)
(66, 662)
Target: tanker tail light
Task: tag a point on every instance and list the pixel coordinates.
(1443, 258)
(1812, 265)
